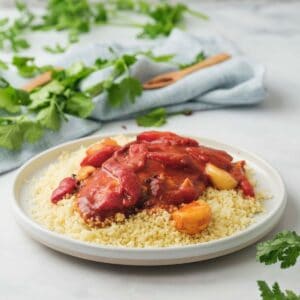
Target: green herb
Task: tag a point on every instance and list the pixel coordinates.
(10, 34)
(158, 58)
(47, 106)
(3, 65)
(14, 131)
(100, 13)
(3, 21)
(126, 89)
(56, 49)
(80, 105)
(101, 63)
(12, 99)
(76, 16)
(124, 4)
(62, 95)
(155, 118)
(165, 17)
(275, 292)
(284, 247)
(51, 116)
(27, 68)
(200, 57)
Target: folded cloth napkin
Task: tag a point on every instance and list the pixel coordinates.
(236, 82)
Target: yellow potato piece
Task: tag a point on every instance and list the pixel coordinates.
(192, 218)
(85, 172)
(99, 145)
(220, 178)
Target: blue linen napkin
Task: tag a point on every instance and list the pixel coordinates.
(236, 82)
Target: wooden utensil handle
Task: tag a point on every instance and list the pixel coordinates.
(40, 80)
(213, 60)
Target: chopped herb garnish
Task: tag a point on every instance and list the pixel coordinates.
(200, 57)
(275, 293)
(56, 49)
(165, 17)
(155, 118)
(14, 131)
(26, 66)
(128, 89)
(72, 15)
(12, 99)
(10, 34)
(121, 91)
(3, 65)
(283, 248)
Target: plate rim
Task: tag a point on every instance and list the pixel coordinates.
(28, 221)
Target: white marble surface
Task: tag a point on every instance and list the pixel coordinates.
(270, 33)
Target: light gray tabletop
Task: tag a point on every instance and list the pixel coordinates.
(269, 33)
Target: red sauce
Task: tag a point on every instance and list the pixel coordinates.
(158, 169)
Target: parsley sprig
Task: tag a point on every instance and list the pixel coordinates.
(12, 99)
(27, 68)
(164, 17)
(57, 48)
(120, 85)
(283, 248)
(16, 130)
(11, 33)
(3, 65)
(275, 293)
(155, 118)
(72, 15)
(46, 107)
(79, 16)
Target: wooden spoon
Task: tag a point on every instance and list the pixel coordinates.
(171, 77)
(154, 83)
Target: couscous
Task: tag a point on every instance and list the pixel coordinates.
(218, 210)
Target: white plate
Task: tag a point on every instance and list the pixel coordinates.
(267, 177)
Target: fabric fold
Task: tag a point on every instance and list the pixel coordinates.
(236, 82)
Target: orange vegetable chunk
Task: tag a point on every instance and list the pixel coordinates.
(192, 218)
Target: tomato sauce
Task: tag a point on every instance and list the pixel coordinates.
(158, 169)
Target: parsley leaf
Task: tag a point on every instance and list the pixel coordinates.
(80, 105)
(3, 65)
(3, 21)
(61, 96)
(199, 57)
(100, 13)
(165, 17)
(16, 130)
(275, 292)
(155, 118)
(40, 97)
(50, 116)
(101, 63)
(26, 67)
(10, 34)
(48, 105)
(76, 16)
(128, 89)
(118, 92)
(158, 58)
(11, 99)
(284, 247)
(56, 49)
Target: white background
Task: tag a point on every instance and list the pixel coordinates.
(266, 31)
